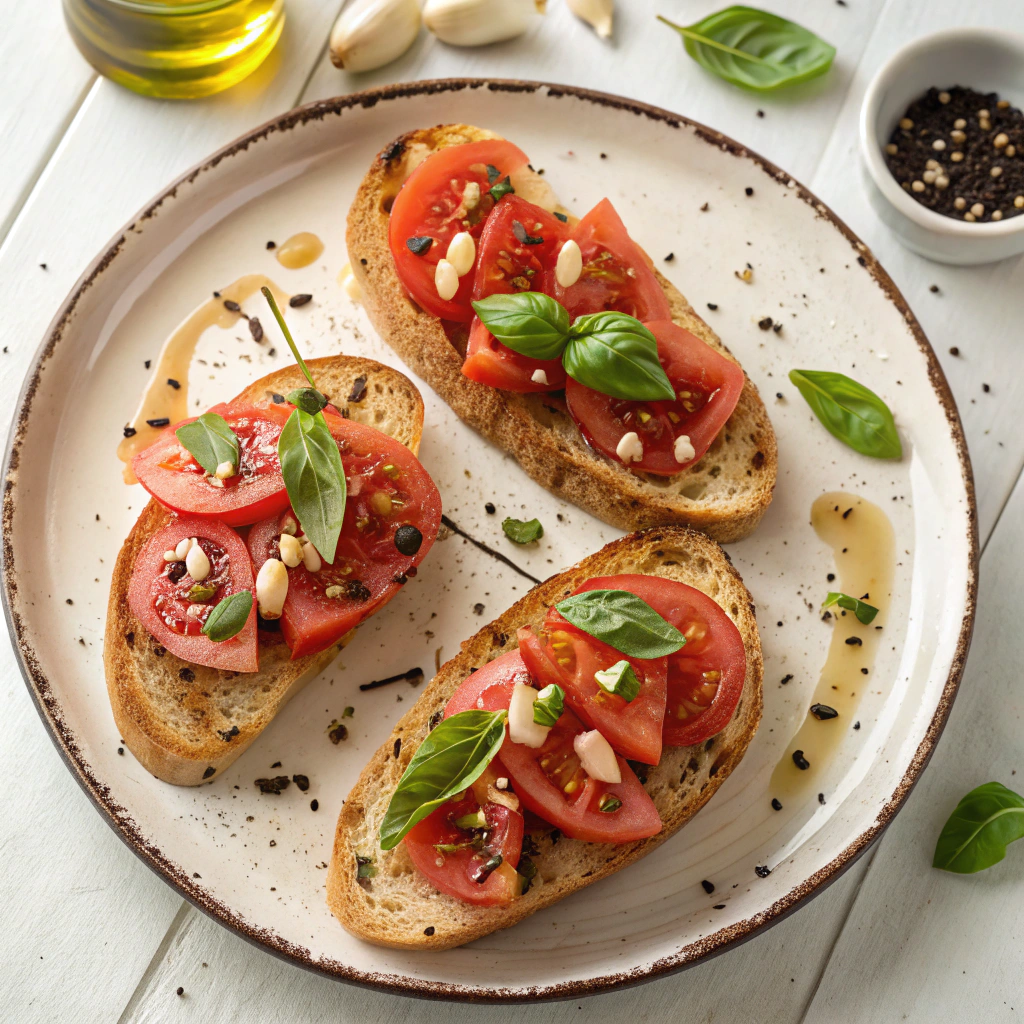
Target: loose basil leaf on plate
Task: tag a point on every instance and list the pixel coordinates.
(522, 533)
(619, 678)
(229, 617)
(307, 399)
(615, 354)
(314, 478)
(451, 757)
(755, 49)
(864, 612)
(210, 441)
(530, 323)
(623, 621)
(980, 828)
(549, 705)
(850, 412)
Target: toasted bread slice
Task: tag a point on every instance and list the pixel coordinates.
(397, 907)
(725, 494)
(177, 718)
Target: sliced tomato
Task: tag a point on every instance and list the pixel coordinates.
(705, 678)
(388, 489)
(170, 473)
(518, 251)
(707, 386)
(616, 272)
(568, 657)
(161, 594)
(433, 204)
(550, 780)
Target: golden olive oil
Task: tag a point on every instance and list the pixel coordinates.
(178, 49)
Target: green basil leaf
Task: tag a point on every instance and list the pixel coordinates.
(549, 705)
(755, 49)
(493, 174)
(500, 189)
(615, 354)
(314, 478)
(623, 621)
(309, 400)
(864, 612)
(522, 533)
(201, 592)
(978, 831)
(229, 617)
(451, 757)
(530, 323)
(210, 441)
(620, 679)
(850, 412)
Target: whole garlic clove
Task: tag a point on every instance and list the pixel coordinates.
(479, 22)
(597, 13)
(372, 33)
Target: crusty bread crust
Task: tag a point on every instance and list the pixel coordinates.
(398, 907)
(725, 494)
(186, 723)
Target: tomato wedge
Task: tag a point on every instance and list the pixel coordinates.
(170, 473)
(434, 203)
(707, 386)
(518, 251)
(567, 656)
(705, 678)
(162, 598)
(388, 491)
(616, 272)
(540, 777)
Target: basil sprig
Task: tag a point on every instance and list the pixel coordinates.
(865, 612)
(210, 441)
(623, 621)
(520, 532)
(850, 412)
(619, 678)
(980, 828)
(229, 617)
(451, 757)
(755, 49)
(609, 352)
(549, 705)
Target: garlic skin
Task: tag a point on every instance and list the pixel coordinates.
(597, 13)
(372, 33)
(479, 22)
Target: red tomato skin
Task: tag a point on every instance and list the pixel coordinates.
(240, 653)
(412, 216)
(691, 365)
(721, 648)
(606, 246)
(185, 491)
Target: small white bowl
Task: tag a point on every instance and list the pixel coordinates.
(988, 60)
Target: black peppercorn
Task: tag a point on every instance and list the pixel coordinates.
(408, 539)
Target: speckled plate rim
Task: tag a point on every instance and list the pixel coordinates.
(118, 818)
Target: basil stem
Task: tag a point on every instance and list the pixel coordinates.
(522, 533)
(530, 323)
(620, 679)
(549, 705)
(865, 612)
(450, 758)
(269, 296)
(229, 617)
(210, 441)
(623, 621)
(980, 828)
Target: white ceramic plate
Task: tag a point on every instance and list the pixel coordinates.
(258, 863)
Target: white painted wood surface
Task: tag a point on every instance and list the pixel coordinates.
(91, 933)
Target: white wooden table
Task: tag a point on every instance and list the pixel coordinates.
(89, 934)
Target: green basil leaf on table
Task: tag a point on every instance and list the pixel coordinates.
(530, 323)
(980, 828)
(623, 621)
(865, 612)
(619, 678)
(755, 49)
(210, 441)
(851, 412)
(309, 400)
(615, 354)
(314, 478)
(522, 533)
(229, 617)
(451, 757)
(549, 705)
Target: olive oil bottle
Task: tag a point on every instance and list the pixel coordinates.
(175, 48)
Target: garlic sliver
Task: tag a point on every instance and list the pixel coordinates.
(479, 22)
(372, 33)
(597, 13)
